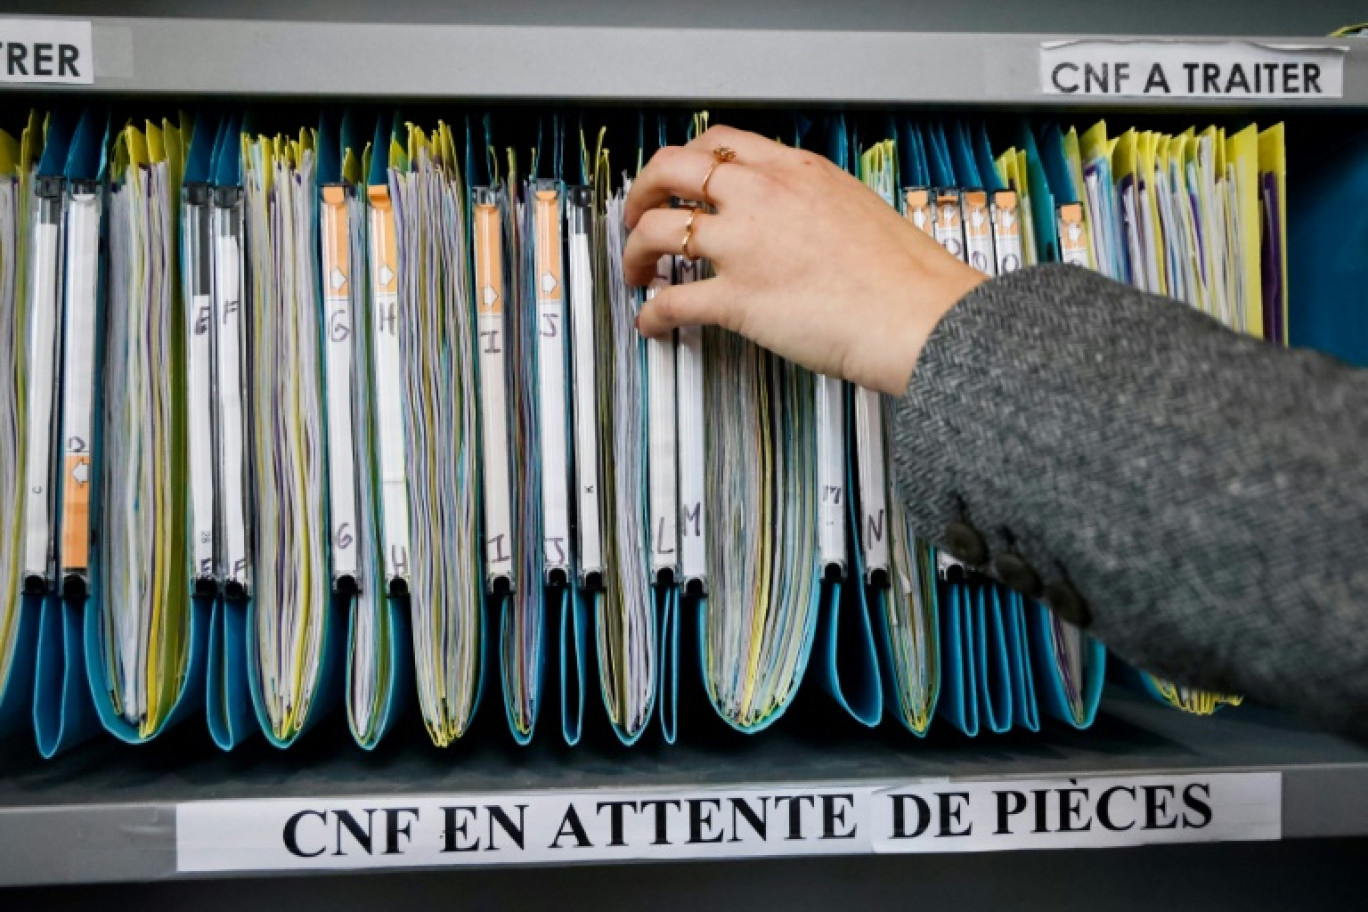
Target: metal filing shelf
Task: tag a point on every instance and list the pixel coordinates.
(261, 59)
(106, 812)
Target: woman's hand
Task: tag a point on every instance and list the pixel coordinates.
(809, 262)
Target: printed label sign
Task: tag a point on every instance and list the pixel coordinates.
(1174, 69)
(545, 828)
(46, 51)
(1077, 813)
(559, 828)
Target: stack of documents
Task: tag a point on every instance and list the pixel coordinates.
(18, 621)
(424, 344)
(250, 385)
(289, 636)
(627, 617)
(146, 563)
(897, 570)
(1198, 216)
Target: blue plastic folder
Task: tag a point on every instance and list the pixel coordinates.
(342, 161)
(189, 683)
(227, 700)
(1049, 171)
(62, 712)
(848, 663)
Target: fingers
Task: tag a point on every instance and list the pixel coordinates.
(750, 148)
(675, 171)
(661, 231)
(704, 303)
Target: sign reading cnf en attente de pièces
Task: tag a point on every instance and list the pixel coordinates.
(1230, 70)
(305, 834)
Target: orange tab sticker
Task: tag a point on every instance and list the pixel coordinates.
(917, 209)
(76, 512)
(488, 260)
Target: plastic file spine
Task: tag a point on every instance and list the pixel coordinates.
(693, 525)
(45, 278)
(1007, 231)
(335, 237)
(663, 500)
(389, 405)
(231, 346)
(588, 469)
(831, 475)
(978, 231)
(196, 222)
(78, 330)
(551, 381)
(489, 308)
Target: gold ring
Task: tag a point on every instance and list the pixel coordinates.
(721, 155)
(688, 235)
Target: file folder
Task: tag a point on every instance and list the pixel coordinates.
(425, 342)
(291, 644)
(585, 312)
(62, 712)
(19, 613)
(898, 573)
(629, 613)
(845, 641)
(145, 632)
(756, 609)
(227, 691)
(380, 658)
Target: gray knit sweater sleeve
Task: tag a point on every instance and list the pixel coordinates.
(1205, 493)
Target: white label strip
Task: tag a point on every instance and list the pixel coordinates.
(586, 395)
(199, 324)
(489, 307)
(56, 51)
(660, 422)
(551, 377)
(232, 455)
(831, 471)
(44, 314)
(693, 526)
(389, 385)
(1191, 69)
(78, 330)
(307, 834)
(873, 514)
(337, 364)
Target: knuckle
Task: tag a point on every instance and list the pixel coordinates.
(666, 156)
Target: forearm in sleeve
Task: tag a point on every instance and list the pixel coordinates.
(1196, 498)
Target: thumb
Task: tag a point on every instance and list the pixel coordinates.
(704, 303)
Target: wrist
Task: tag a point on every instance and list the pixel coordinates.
(919, 312)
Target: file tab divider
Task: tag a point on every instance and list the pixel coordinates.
(228, 706)
(553, 371)
(588, 463)
(493, 341)
(693, 519)
(661, 416)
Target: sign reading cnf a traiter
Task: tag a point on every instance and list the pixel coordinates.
(1231, 70)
